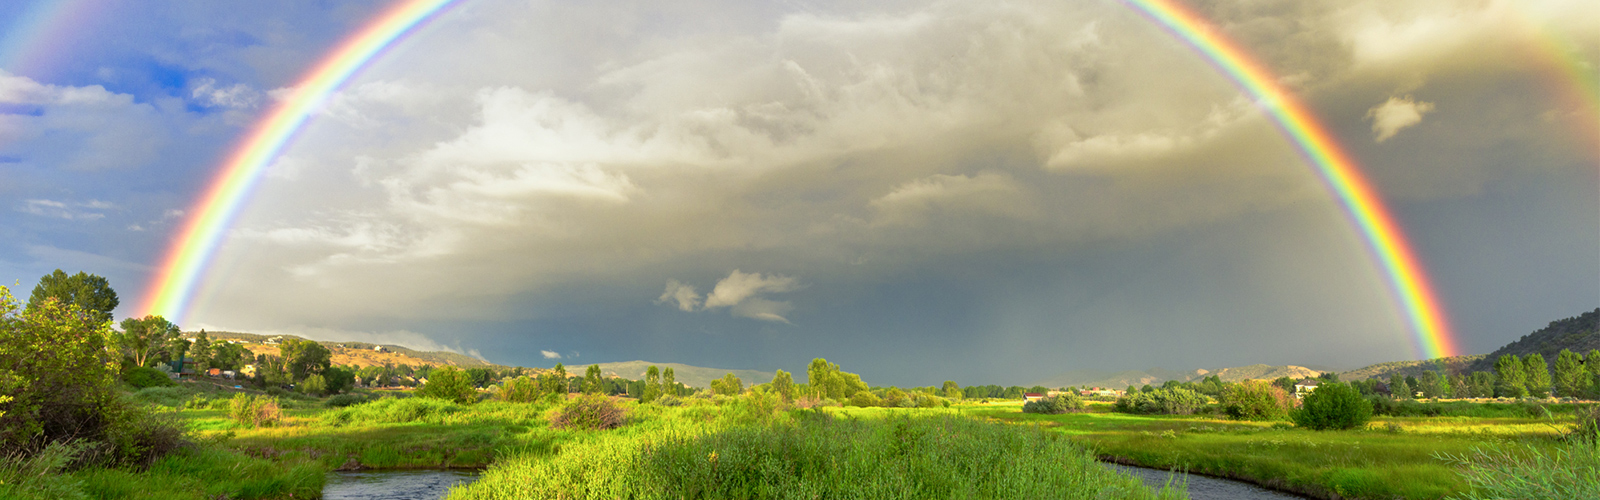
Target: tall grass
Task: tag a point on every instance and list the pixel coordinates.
(40, 476)
(807, 454)
(1504, 471)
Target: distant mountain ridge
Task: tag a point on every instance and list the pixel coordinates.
(693, 376)
(1158, 376)
(358, 353)
(1412, 368)
(1579, 334)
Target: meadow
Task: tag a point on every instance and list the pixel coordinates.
(757, 446)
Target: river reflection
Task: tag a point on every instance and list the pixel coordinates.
(394, 484)
(1206, 488)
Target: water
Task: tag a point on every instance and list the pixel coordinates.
(1206, 488)
(394, 484)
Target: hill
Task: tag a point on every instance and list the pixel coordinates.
(358, 353)
(693, 376)
(1413, 368)
(1157, 376)
(1579, 334)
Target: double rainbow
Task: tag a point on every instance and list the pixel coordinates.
(169, 293)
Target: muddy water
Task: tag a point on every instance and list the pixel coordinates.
(394, 484)
(1206, 488)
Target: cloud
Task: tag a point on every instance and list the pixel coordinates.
(237, 96)
(81, 128)
(550, 354)
(739, 292)
(988, 193)
(1395, 114)
(683, 294)
(89, 210)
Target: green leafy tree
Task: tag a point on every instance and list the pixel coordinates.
(482, 377)
(1483, 384)
(53, 373)
(951, 390)
(821, 376)
(1256, 400)
(669, 382)
(142, 339)
(652, 384)
(1432, 385)
(314, 385)
(783, 385)
(593, 383)
(1511, 382)
(1333, 406)
(449, 384)
(1572, 380)
(338, 379)
(728, 385)
(1398, 388)
(522, 389)
(304, 358)
(227, 356)
(200, 350)
(91, 293)
(1538, 375)
(1285, 383)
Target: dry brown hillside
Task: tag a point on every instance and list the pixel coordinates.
(359, 353)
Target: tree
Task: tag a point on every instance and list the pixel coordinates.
(1333, 406)
(1483, 384)
(1432, 386)
(519, 390)
(1398, 388)
(1571, 380)
(53, 372)
(951, 390)
(728, 385)
(482, 377)
(450, 384)
(339, 379)
(1256, 400)
(669, 382)
(227, 356)
(143, 338)
(652, 384)
(1511, 381)
(1285, 383)
(304, 358)
(1538, 373)
(314, 385)
(592, 381)
(91, 293)
(783, 385)
(200, 350)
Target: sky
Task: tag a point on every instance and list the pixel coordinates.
(986, 192)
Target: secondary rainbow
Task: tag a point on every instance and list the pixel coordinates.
(1338, 172)
(169, 293)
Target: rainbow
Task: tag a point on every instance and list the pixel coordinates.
(1334, 167)
(169, 293)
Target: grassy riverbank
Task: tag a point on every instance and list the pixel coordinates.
(1394, 457)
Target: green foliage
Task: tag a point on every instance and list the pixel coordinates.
(1333, 406)
(1587, 426)
(344, 400)
(304, 358)
(314, 385)
(1256, 400)
(394, 411)
(143, 376)
(592, 381)
(783, 385)
(1483, 384)
(254, 411)
(41, 475)
(1506, 470)
(932, 457)
(1398, 388)
(728, 385)
(1511, 380)
(1538, 375)
(652, 384)
(1064, 402)
(91, 293)
(1571, 379)
(589, 412)
(1433, 386)
(951, 390)
(1173, 401)
(827, 381)
(523, 389)
(52, 368)
(449, 384)
(669, 382)
(865, 399)
(338, 379)
(143, 339)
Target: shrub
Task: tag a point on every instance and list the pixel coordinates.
(449, 384)
(52, 369)
(522, 389)
(254, 411)
(1256, 400)
(589, 412)
(314, 385)
(1173, 401)
(1063, 403)
(343, 400)
(141, 377)
(1333, 406)
(863, 399)
(669, 400)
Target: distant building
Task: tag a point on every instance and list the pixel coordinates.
(1304, 387)
(379, 348)
(1031, 396)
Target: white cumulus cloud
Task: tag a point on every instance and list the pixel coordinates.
(550, 354)
(1395, 114)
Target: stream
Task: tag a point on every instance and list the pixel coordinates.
(427, 484)
(1204, 487)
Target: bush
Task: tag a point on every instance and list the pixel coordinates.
(52, 369)
(314, 385)
(864, 399)
(1063, 403)
(254, 411)
(668, 400)
(449, 384)
(393, 411)
(1256, 400)
(1333, 406)
(589, 412)
(1174, 401)
(343, 400)
(522, 389)
(141, 377)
